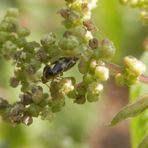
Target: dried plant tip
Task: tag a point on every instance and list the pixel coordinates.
(14, 82)
(27, 120)
(93, 43)
(90, 25)
(85, 7)
(64, 12)
(3, 103)
(26, 98)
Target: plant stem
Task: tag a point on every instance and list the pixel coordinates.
(118, 69)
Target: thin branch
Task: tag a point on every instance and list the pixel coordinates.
(118, 69)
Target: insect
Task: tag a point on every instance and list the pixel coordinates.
(58, 67)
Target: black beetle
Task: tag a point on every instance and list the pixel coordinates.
(58, 67)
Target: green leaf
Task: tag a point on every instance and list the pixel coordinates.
(139, 125)
(131, 110)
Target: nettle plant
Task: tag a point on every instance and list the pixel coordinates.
(39, 65)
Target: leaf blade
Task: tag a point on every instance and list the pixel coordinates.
(131, 110)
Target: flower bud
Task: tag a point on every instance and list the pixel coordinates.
(101, 73)
(33, 110)
(66, 86)
(65, 12)
(107, 49)
(21, 42)
(41, 55)
(57, 104)
(69, 43)
(75, 17)
(47, 114)
(80, 32)
(93, 64)
(27, 120)
(88, 78)
(72, 94)
(92, 97)
(94, 91)
(14, 82)
(83, 66)
(48, 39)
(93, 43)
(8, 49)
(13, 12)
(81, 89)
(119, 79)
(23, 32)
(37, 94)
(16, 109)
(135, 67)
(3, 103)
(26, 98)
(80, 99)
(95, 88)
(54, 90)
(89, 25)
(13, 23)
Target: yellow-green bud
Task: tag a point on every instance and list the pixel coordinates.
(69, 43)
(91, 97)
(119, 79)
(33, 110)
(102, 73)
(88, 78)
(107, 49)
(95, 88)
(80, 33)
(23, 32)
(93, 64)
(66, 86)
(134, 66)
(94, 91)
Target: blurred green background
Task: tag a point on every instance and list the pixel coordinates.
(75, 125)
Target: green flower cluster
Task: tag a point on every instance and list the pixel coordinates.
(142, 5)
(91, 51)
(30, 60)
(27, 58)
(132, 69)
(93, 67)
